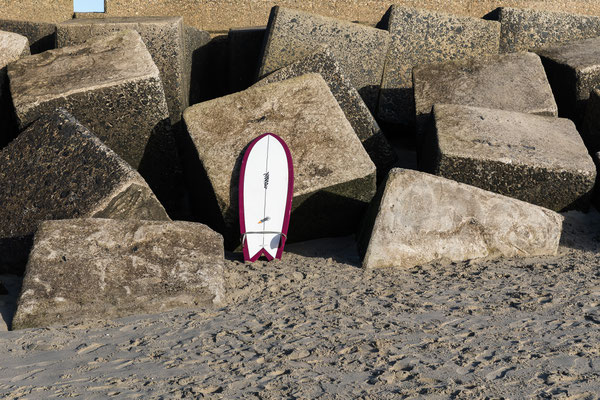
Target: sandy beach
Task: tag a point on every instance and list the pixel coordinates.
(315, 325)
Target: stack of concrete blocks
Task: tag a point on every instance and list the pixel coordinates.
(334, 178)
(423, 37)
(112, 86)
(361, 50)
(56, 169)
(12, 47)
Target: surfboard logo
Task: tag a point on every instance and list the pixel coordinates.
(266, 176)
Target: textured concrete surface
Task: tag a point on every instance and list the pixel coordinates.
(512, 82)
(355, 109)
(419, 218)
(334, 178)
(573, 70)
(220, 15)
(541, 160)
(164, 39)
(194, 41)
(112, 86)
(58, 169)
(420, 36)
(12, 47)
(41, 35)
(526, 29)
(243, 49)
(360, 50)
(590, 131)
(82, 269)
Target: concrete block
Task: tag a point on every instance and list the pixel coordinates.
(112, 86)
(41, 35)
(194, 42)
(99, 269)
(590, 131)
(164, 38)
(58, 169)
(573, 70)
(540, 160)
(12, 47)
(334, 178)
(512, 82)
(526, 29)
(354, 108)
(419, 218)
(360, 49)
(244, 47)
(422, 36)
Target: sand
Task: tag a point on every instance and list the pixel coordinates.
(314, 325)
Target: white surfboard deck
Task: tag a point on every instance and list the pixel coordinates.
(266, 183)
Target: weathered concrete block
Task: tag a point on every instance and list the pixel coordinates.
(590, 131)
(41, 35)
(418, 218)
(419, 37)
(573, 70)
(360, 49)
(352, 105)
(82, 269)
(540, 160)
(58, 169)
(512, 82)
(526, 29)
(334, 177)
(112, 86)
(244, 46)
(12, 47)
(165, 39)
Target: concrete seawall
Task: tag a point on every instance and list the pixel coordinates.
(220, 15)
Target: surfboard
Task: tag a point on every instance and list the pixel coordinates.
(265, 197)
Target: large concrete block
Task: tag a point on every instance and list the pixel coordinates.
(418, 218)
(58, 169)
(334, 176)
(194, 42)
(243, 49)
(112, 86)
(590, 131)
(526, 29)
(422, 36)
(83, 269)
(41, 35)
(355, 109)
(541, 160)
(165, 38)
(12, 47)
(512, 82)
(573, 70)
(360, 50)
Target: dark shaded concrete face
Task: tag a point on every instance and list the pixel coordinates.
(360, 50)
(329, 159)
(541, 160)
(354, 108)
(419, 37)
(526, 29)
(418, 218)
(58, 169)
(163, 37)
(104, 269)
